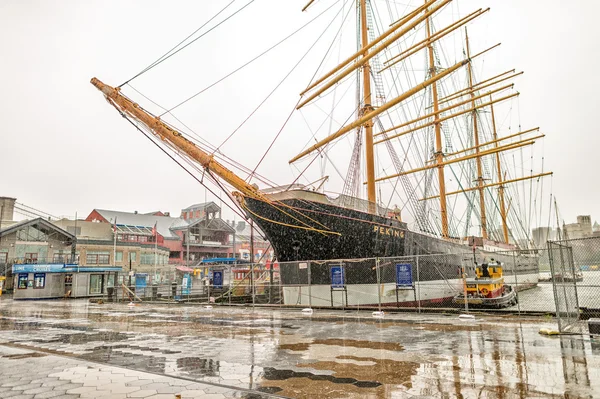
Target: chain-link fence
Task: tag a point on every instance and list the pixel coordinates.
(515, 281)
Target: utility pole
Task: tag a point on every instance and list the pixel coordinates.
(1, 216)
(252, 259)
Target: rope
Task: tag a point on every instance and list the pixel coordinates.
(165, 56)
(277, 87)
(249, 62)
(175, 160)
(289, 225)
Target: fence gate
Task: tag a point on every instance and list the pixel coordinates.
(562, 268)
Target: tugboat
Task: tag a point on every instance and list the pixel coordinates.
(487, 289)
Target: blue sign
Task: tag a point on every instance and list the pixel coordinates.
(404, 275)
(60, 268)
(186, 284)
(140, 283)
(218, 279)
(337, 277)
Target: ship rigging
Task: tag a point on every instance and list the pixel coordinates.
(424, 119)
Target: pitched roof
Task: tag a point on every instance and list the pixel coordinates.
(163, 223)
(42, 224)
(202, 206)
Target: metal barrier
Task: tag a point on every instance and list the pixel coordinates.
(539, 279)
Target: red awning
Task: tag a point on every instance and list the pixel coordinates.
(184, 269)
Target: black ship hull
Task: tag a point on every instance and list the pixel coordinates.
(301, 228)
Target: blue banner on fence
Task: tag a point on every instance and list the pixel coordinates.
(404, 275)
(337, 277)
(186, 284)
(218, 279)
(140, 283)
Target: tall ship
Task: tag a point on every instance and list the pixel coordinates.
(422, 132)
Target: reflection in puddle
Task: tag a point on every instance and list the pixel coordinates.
(325, 356)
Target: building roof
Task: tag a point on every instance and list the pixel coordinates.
(41, 223)
(243, 231)
(201, 206)
(163, 223)
(213, 224)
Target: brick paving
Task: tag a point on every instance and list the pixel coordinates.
(26, 374)
(257, 353)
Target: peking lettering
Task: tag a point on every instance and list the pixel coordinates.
(388, 231)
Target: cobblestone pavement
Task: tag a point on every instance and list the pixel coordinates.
(261, 352)
(36, 375)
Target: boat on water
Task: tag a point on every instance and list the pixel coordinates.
(435, 132)
(487, 289)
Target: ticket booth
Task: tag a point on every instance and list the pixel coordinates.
(38, 281)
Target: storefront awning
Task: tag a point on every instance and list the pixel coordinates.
(184, 269)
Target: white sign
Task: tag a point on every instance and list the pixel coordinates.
(303, 265)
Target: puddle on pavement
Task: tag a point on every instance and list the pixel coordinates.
(24, 355)
(199, 367)
(391, 346)
(438, 356)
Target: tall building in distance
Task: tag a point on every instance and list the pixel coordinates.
(581, 229)
(541, 235)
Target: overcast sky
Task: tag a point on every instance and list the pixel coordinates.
(64, 150)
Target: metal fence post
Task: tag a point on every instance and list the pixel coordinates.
(230, 283)
(464, 279)
(253, 282)
(208, 289)
(309, 287)
(517, 282)
(378, 274)
(418, 285)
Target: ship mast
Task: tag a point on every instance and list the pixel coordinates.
(501, 187)
(367, 107)
(439, 155)
(159, 129)
(476, 137)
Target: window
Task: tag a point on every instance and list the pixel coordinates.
(31, 234)
(22, 281)
(132, 256)
(97, 258)
(39, 280)
(96, 283)
(31, 257)
(3, 257)
(147, 258)
(143, 239)
(119, 256)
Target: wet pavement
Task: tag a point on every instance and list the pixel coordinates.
(37, 375)
(255, 353)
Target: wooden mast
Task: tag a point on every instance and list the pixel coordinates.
(500, 179)
(476, 137)
(367, 107)
(439, 155)
(161, 130)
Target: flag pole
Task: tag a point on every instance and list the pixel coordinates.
(115, 243)
(155, 251)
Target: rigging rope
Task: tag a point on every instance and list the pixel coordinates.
(299, 99)
(166, 56)
(175, 160)
(278, 85)
(251, 61)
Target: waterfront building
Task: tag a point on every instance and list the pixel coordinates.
(581, 229)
